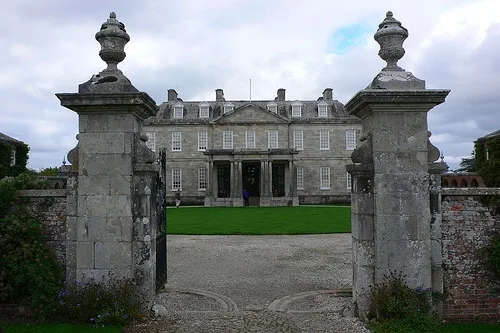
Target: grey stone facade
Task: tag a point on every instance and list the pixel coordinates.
(296, 165)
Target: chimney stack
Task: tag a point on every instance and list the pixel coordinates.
(281, 94)
(219, 95)
(327, 94)
(172, 95)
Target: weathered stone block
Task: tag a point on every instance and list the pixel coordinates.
(123, 123)
(95, 123)
(105, 164)
(85, 254)
(113, 255)
(105, 205)
(102, 143)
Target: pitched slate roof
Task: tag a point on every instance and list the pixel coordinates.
(491, 135)
(6, 138)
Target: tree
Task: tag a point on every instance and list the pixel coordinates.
(468, 164)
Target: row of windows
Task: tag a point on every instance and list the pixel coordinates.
(272, 140)
(204, 109)
(324, 179)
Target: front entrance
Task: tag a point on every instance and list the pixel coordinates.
(251, 179)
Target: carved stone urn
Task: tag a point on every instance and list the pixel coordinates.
(112, 38)
(390, 36)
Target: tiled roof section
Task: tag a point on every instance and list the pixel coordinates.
(309, 109)
(491, 135)
(6, 138)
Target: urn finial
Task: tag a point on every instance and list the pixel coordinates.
(112, 38)
(390, 36)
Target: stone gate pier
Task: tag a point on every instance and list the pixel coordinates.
(114, 224)
(391, 198)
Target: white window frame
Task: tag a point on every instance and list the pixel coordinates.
(350, 139)
(272, 107)
(324, 178)
(178, 111)
(324, 140)
(13, 156)
(297, 109)
(176, 141)
(202, 140)
(176, 179)
(250, 139)
(227, 140)
(228, 107)
(202, 179)
(298, 140)
(272, 139)
(300, 178)
(204, 110)
(349, 181)
(323, 109)
(151, 143)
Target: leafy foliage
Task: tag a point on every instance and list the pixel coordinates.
(112, 302)
(398, 308)
(488, 162)
(468, 164)
(49, 171)
(492, 257)
(7, 170)
(29, 269)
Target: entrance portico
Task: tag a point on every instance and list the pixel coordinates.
(268, 175)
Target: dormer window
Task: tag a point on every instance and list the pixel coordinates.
(228, 107)
(204, 110)
(297, 109)
(323, 109)
(178, 110)
(273, 107)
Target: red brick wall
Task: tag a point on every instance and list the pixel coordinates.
(467, 226)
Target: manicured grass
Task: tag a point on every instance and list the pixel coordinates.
(470, 328)
(258, 220)
(56, 328)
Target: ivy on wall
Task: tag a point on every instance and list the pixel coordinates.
(6, 156)
(488, 164)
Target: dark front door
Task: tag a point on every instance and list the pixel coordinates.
(251, 178)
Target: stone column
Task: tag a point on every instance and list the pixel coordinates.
(391, 173)
(210, 183)
(116, 219)
(238, 191)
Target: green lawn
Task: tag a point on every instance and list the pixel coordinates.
(56, 328)
(470, 328)
(258, 220)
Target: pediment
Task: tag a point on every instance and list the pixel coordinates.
(251, 114)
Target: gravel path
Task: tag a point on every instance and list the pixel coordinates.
(256, 284)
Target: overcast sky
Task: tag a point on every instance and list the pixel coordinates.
(197, 46)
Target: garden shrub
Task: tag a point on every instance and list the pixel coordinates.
(399, 308)
(492, 257)
(30, 272)
(111, 302)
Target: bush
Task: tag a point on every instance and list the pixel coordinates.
(112, 302)
(30, 272)
(492, 257)
(398, 308)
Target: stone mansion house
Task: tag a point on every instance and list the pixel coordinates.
(282, 152)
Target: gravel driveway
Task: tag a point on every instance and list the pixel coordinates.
(257, 284)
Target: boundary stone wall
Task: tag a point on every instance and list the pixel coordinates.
(467, 227)
(49, 208)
